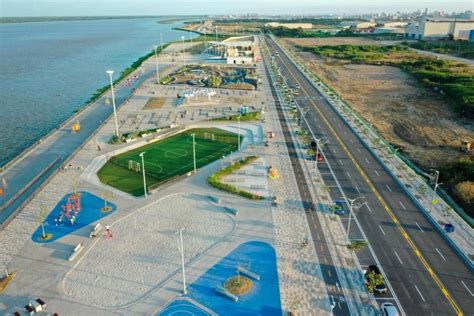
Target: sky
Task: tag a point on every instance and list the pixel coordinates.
(190, 7)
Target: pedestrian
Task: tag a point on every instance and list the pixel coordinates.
(98, 147)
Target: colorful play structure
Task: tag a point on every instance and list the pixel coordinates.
(273, 173)
(71, 209)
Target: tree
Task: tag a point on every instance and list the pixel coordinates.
(465, 191)
(373, 279)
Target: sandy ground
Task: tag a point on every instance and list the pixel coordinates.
(409, 116)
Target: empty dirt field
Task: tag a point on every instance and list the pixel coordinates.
(408, 115)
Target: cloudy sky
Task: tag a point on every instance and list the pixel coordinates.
(173, 7)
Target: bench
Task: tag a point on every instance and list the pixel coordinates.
(248, 273)
(257, 186)
(95, 230)
(76, 251)
(214, 199)
(231, 210)
(222, 291)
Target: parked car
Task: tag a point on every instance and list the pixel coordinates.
(379, 288)
(388, 309)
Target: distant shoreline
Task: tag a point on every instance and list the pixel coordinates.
(164, 19)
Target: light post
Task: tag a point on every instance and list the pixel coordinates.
(238, 136)
(436, 176)
(157, 66)
(320, 142)
(194, 151)
(110, 73)
(143, 171)
(161, 41)
(181, 248)
(351, 209)
(184, 58)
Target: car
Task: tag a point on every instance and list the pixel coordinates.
(340, 211)
(379, 288)
(388, 309)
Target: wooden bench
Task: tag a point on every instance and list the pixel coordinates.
(248, 273)
(222, 291)
(76, 251)
(95, 230)
(231, 210)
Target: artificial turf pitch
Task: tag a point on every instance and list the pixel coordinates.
(166, 159)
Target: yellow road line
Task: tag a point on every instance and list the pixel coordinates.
(410, 242)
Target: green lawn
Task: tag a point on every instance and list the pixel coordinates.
(165, 159)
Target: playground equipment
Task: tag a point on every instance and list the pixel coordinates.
(244, 110)
(76, 127)
(71, 209)
(191, 93)
(273, 173)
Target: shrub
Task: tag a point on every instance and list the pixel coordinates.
(465, 190)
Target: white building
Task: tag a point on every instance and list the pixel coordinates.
(235, 50)
(290, 25)
(429, 28)
(357, 24)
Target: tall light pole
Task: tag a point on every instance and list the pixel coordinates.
(436, 176)
(111, 72)
(351, 209)
(143, 171)
(320, 142)
(194, 151)
(184, 58)
(181, 248)
(157, 66)
(161, 41)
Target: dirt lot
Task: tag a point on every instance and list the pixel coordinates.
(408, 115)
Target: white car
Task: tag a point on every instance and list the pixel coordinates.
(388, 309)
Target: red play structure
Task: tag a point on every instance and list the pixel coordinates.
(72, 208)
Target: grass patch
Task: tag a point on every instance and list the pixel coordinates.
(238, 285)
(251, 116)
(166, 159)
(357, 245)
(463, 49)
(155, 103)
(215, 179)
(5, 281)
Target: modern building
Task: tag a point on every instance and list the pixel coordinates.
(357, 25)
(290, 25)
(429, 28)
(235, 50)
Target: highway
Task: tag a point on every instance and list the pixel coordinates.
(427, 275)
(328, 270)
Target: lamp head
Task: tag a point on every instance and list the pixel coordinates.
(110, 72)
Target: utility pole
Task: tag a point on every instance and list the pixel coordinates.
(181, 248)
(434, 191)
(110, 73)
(238, 136)
(143, 171)
(351, 209)
(194, 151)
(157, 66)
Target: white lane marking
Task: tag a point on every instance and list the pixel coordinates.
(359, 150)
(368, 207)
(345, 133)
(376, 172)
(340, 162)
(348, 174)
(439, 252)
(367, 161)
(357, 188)
(351, 141)
(382, 230)
(398, 257)
(402, 205)
(419, 227)
(472, 294)
(334, 150)
(416, 287)
(388, 188)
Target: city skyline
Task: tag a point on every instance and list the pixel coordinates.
(11, 8)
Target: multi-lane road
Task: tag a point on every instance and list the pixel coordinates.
(427, 276)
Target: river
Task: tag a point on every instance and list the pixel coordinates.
(48, 70)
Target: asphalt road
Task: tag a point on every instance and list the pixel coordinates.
(58, 147)
(390, 215)
(330, 275)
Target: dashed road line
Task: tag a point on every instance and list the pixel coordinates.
(419, 227)
(472, 294)
(439, 252)
(357, 188)
(398, 257)
(388, 188)
(359, 150)
(348, 174)
(341, 163)
(416, 287)
(402, 205)
(367, 161)
(377, 173)
(382, 230)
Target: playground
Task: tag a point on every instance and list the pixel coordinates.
(75, 211)
(166, 159)
(214, 77)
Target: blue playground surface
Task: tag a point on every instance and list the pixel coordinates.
(263, 299)
(90, 212)
(183, 307)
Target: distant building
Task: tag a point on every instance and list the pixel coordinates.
(357, 24)
(290, 25)
(235, 50)
(429, 28)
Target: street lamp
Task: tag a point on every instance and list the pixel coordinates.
(320, 142)
(194, 151)
(111, 72)
(238, 136)
(143, 170)
(181, 248)
(157, 66)
(184, 58)
(351, 209)
(436, 176)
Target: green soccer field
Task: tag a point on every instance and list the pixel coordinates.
(167, 158)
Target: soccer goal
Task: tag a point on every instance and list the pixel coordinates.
(133, 165)
(210, 136)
